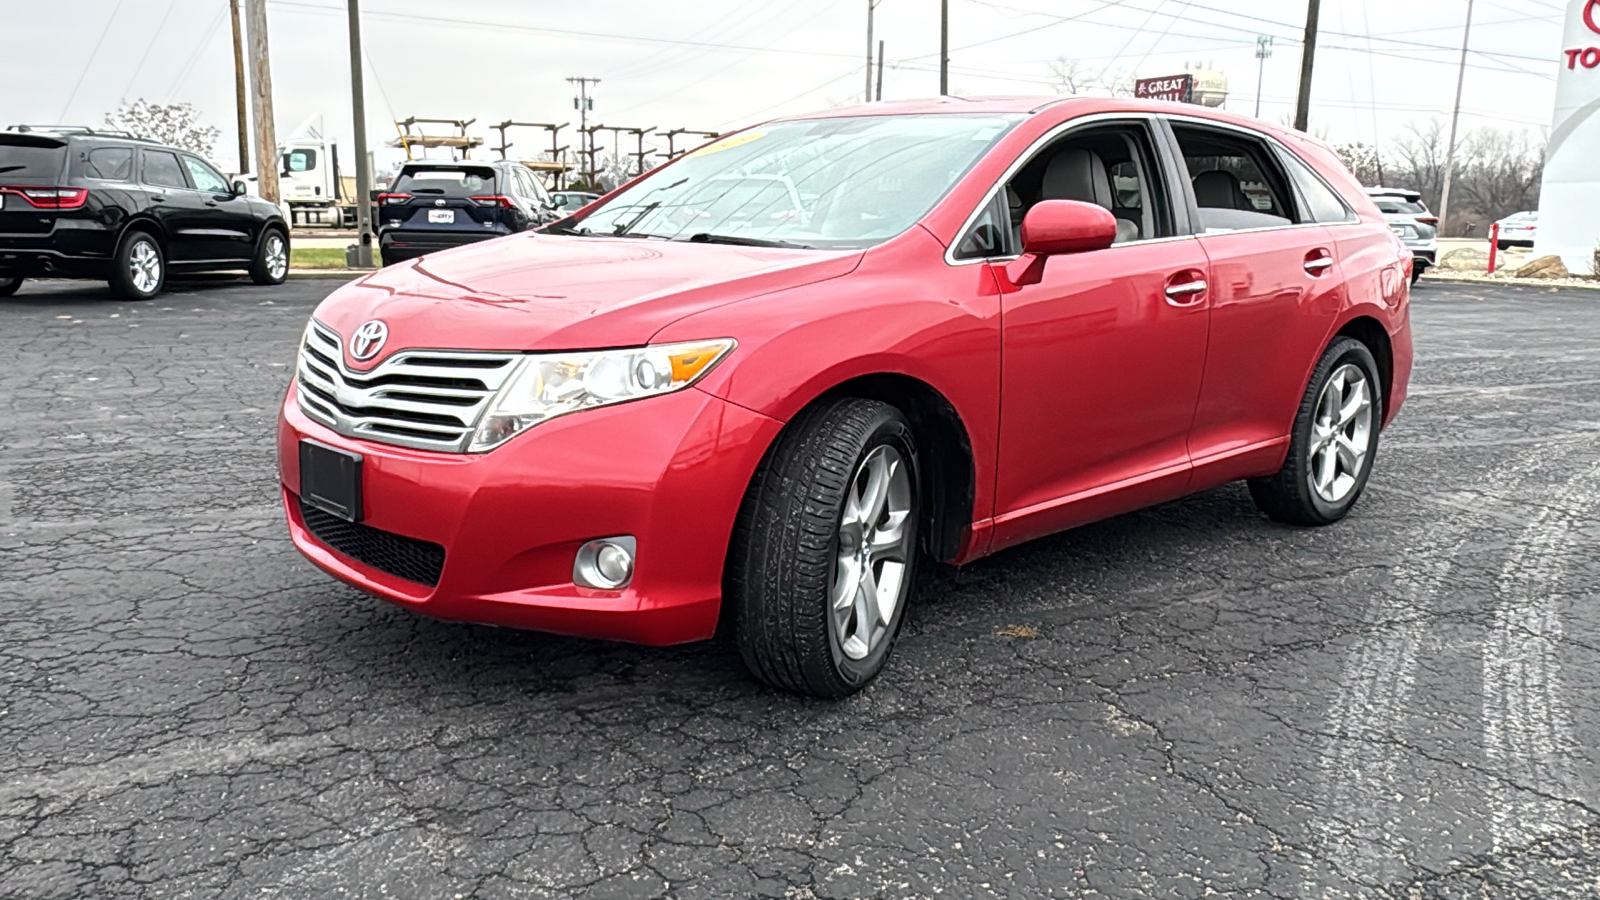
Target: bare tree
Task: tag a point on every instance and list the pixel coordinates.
(1073, 77)
(1363, 161)
(175, 124)
(1418, 160)
(1499, 172)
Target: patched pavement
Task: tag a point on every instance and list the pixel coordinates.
(1189, 701)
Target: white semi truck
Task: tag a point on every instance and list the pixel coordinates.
(311, 182)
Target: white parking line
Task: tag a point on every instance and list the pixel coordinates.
(1359, 811)
(1527, 725)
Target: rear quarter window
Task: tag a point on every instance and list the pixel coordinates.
(109, 163)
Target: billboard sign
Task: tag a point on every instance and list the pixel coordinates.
(1177, 88)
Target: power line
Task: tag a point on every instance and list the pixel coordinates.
(147, 48)
(199, 50)
(89, 62)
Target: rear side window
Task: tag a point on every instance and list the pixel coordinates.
(1237, 183)
(162, 169)
(1322, 203)
(466, 181)
(31, 160)
(110, 164)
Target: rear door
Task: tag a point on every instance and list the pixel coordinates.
(446, 200)
(1275, 291)
(176, 205)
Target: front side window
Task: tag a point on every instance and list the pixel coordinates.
(300, 160)
(205, 178)
(828, 183)
(162, 169)
(1237, 184)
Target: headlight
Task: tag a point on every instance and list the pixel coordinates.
(547, 385)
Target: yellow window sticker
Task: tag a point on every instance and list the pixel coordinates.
(729, 143)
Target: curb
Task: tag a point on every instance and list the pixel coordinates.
(1509, 282)
(328, 273)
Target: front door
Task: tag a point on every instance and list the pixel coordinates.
(1102, 358)
(229, 225)
(175, 205)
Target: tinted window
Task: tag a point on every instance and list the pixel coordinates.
(1323, 205)
(205, 178)
(1237, 184)
(110, 163)
(466, 181)
(1399, 206)
(27, 159)
(162, 169)
(300, 160)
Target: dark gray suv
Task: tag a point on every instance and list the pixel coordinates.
(437, 204)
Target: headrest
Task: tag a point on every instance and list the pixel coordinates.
(1077, 174)
(1218, 190)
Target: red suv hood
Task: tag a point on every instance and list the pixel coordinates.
(550, 292)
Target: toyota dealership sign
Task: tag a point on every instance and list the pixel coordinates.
(1568, 224)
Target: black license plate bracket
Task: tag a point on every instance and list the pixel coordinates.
(330, 479)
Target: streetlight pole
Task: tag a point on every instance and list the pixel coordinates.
(1455, 119)
(944, 47)
(870, 5)
(363, 197)
(1263, 53)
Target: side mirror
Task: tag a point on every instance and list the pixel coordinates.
(238, 188)
(1056, 227)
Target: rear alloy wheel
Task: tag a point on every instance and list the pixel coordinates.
(9, 286)
(825, 550)
(271, 265)
(1334, 443)
(140, 271)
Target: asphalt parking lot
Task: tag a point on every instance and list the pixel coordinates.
(1189, 701)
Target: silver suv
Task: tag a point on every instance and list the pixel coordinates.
(1412, 222)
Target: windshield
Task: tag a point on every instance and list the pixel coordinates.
(830, 183)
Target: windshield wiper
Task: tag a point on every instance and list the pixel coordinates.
(706, 237)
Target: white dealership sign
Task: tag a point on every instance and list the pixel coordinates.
(1569, 200)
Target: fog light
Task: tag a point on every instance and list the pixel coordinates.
(606, 563)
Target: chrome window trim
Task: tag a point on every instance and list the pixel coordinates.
(1023, 159)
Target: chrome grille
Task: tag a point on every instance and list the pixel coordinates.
(426, 399)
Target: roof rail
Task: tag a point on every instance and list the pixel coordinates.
(78, 129)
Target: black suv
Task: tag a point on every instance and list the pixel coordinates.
(82, 204)
(435, 204)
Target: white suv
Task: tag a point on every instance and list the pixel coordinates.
(1412, 222)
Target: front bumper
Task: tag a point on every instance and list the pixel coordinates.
(670, 470)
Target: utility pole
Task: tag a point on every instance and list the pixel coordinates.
(641, 153)
(261, 95)
(1263, 53)
(1455, 119)
(238, 90)
(583, 103)
(1308, 55)
(880, 70)
(358, 103)
(871, 4)
(944, 47)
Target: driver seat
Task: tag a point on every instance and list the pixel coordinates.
(1080, 174)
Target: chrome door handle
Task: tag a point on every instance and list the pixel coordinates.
(1319, 265)
(1186, 289)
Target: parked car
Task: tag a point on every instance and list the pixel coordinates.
(1518, 230)
(569, 202)
(435, 204)
(75, 203)
(644, 419)
(1411, 220)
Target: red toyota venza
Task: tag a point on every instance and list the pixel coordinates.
(760, 383)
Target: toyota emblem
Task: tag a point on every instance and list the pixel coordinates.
(368, 340)
(438, 203)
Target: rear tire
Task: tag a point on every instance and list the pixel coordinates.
(1504, 246)
(1416, 273)
(826, 539)
(271, 265)
(140, 268)
(9, 286)
(1334, 442)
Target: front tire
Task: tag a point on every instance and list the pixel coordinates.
(1334, 443)
(9, 286)
(140, 270)
(271, 265)
(824, 551)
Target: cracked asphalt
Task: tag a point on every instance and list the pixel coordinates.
(1188, 701)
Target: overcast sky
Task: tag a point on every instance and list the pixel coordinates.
(720, 64)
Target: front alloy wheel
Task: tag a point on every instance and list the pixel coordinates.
(824, 553)
(271, 264)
